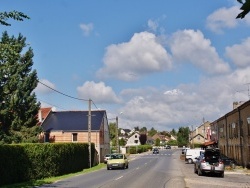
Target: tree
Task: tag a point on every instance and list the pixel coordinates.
(157, 142)
(4, 16)
(18, 105)
(112, 133)
(143, 130)
(173, 132)
(245, 7)
(122, 142)
(143, 139)
(183, 136)
(152, 132)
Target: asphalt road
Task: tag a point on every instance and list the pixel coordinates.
(164, 170)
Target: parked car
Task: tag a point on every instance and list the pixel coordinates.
(106, 158)
(184, 150)
(155, 151)
(209, 162)
(168, 147)
(228, 161)
(192, 154)
(117, 161)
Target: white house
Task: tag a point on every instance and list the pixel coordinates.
(133, 140)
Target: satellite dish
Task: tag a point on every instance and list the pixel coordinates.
(53, 109)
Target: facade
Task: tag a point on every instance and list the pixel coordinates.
(232, 134)
(72, 126)
(133, 140)
(201, 134)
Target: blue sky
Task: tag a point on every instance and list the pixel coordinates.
(164, 64)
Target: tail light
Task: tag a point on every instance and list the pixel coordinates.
(203, 161)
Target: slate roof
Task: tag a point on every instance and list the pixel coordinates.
(73, 121)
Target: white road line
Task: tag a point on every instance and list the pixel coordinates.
(119, 178)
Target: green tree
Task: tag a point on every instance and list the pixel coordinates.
(152, 132)
(143, 130)
(4, 16)
(112, 133)
(122, 142)
(173, 132)
(18, 104)
(183, 136)
(157, 142)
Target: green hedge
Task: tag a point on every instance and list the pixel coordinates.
(138, 149)
(24, 162)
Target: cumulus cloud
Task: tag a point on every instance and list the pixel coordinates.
(143, 54)
(43, 89)
(240, 53)
(222, 18)
(87, 28)
(192, 47)
(98, 92)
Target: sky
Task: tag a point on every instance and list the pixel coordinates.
(161, 64)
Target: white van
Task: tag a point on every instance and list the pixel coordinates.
(191, 154)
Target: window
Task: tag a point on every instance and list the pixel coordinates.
(74, 137)
(136, 141)
(135, 136)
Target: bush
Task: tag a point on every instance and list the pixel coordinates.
(24, 162)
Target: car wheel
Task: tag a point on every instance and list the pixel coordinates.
(107, 168)
(190, 161)
(127, 166)
(199, 172)
(195, 171)
(222, 175)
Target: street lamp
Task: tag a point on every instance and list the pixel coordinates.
(117, 135)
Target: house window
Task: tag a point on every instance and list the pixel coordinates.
(135, 136)
(74, 137)
(136, 141)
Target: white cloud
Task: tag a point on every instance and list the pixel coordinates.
(191, 46)
(185, 105)
(42, 87)
(98, 92)
(87, 28)
(141, 55)
(240, 53)
(223, 18)
(153, 25)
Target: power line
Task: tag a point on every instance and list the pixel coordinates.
(62, 92)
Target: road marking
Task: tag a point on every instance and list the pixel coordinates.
(119, 178)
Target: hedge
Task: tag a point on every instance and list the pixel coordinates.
(24, 162)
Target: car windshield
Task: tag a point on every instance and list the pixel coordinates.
(118, 156)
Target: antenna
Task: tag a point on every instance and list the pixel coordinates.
(248, 92)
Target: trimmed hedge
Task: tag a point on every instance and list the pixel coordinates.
(138, 149)
(24, 162)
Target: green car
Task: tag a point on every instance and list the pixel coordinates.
(117, 161)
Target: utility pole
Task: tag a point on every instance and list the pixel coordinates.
(89, 132)
(117, 136)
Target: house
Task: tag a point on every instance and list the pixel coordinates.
(133, 139)
(231, 133)
(43, 113)
(125, 131)
(201, 134)
(163, 139)
(72, 126)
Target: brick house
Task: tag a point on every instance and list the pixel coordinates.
(72, 126)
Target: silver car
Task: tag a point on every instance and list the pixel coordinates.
(209, 162)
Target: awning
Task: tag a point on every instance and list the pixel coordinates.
(209, 143)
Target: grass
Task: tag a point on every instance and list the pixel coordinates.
(53, 179)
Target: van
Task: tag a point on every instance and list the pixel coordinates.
(191, 154)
